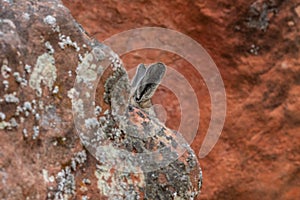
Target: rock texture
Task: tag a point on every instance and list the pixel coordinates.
(38, 143)
(45, 55)
(256, 45)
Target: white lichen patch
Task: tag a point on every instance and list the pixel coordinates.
(11, 98)
(17, 77)
(6, 85)
(86, 70)
(41, 105)
(55, 90)
(45, 175)
(91, 123)
(49, 47)
(27, 106)
(98, 110)
(51, 179)
(80, 157)
(36, 132)
(13, 122)
(66, 41)
(88, 75)
(50, 20)
(4, 124)
(2, 116)
(72, 93)
(9, 125)
(66, 183)
(78, 107)
(77, 103)
(26, 16)
(5, 70)
(84, 197)
(80, 58)
(9, 22)
(18, 110)
(25, 133)
(43, 72)
(37, 117)
(27, 69)
(87, 95)
(116, 63)
(86, 181)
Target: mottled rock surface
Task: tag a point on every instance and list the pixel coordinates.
(37, 40)
(42, 50)
(256, 45)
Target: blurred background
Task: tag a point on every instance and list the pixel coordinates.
(255, 45)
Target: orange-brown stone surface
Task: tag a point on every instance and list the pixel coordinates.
(255, 44)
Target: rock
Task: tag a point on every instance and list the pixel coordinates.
(257, 155)
(49, 71)
(40, 43)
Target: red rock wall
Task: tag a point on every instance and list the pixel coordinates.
(255, 45)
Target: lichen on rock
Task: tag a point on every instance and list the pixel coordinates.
(43, 47)
(43, 72)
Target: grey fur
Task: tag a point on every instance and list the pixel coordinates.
(145, 83)
(140, 73)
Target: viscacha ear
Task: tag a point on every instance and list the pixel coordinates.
(140, 72)
(148, 84)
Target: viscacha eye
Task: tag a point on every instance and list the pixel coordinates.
(137, 99)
